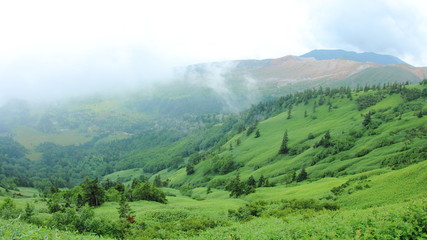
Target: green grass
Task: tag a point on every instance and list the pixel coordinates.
(31, 138)
(125, 175)
(391, 187)
(14, 229)
(316, 190)
(182, 206)
(392, 222)
(378, 75)
(388, 189)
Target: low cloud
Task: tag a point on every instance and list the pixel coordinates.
(235, 89)
(64, 75)
(53, 49)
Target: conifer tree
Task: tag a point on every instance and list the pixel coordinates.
(261, 181)
(238, 142)
(349, 96)
(29, 211)
(302, 175)
(293, 176)
(329, 106)
(80, 201)
(135, 182)
(209, 190)
(236, 187)
(158, 181)
(251, 181)
(325, 141)
(321, 100)
(367, 119)
(284, 147)
(93, 193)
(124, 209)
(190, 169)
(267, 183)
(257, 134)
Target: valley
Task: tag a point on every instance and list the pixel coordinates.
(287, 148)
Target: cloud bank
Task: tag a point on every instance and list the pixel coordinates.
(54, 49)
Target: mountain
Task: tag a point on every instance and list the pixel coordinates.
(241, 83)
(353, 56)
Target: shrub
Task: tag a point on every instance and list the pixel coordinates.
(410, 94)
(147, 191)
(250, 130)
(8, 209)
(248, 211)
(362, 152)
(223, 165)
(278, 208)
(403, 159)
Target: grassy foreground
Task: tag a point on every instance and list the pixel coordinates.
(14, 229)
(401, 221)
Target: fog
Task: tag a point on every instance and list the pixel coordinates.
(53, 50)
(100, 71)
(237, 91)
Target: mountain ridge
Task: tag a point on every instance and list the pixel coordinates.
(323, 54)
(295, 73)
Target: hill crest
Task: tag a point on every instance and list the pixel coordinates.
(323, 54)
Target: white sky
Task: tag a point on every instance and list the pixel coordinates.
(64, 48)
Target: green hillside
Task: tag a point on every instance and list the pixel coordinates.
(378, 75)
(325, 163)
(394, 133)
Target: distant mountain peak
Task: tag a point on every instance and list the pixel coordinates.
(323, 54)
(289, 58)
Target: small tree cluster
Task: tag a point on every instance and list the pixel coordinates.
(145, 191)
(159, 183)
(190, 169)
(93, 192)
(368, 100)
(251, 129)
(263, 182)
(238, 188)
(223, 164)
(325, 141)
(194, 160)
(302, 175)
